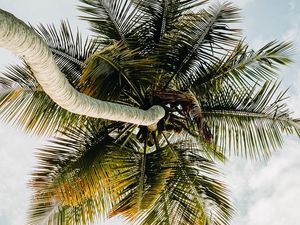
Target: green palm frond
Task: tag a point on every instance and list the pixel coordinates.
(90, 174)
(55, 214)
(243, 67)
(200, 38)
(249, 123)
(71, 182)
(68, 48)
(141, 182)
(115, 71)
(161, 17)
(167, 12)
(111, 20)
(90, 167)
(193, 195)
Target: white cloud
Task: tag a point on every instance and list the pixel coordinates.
(267, 192)
(16, 154)
(292, 5)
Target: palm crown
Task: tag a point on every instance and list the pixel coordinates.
(220, 98)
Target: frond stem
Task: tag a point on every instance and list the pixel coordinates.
(194, 190)
(143, 168)
(117, 26)
(196, 46)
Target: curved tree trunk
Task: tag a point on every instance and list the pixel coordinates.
(19, 38)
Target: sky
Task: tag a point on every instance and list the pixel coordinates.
(264, 192)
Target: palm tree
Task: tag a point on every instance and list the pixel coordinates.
(209, 96)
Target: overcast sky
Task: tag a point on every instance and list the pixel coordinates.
(264, 192)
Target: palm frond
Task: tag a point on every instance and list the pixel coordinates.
(111, 20)
(70, 183)
(249, 123)
(192, 196)
(115, 71)
(200, 38)
(68, 48)
(96, 167)
(243, 67)
(160, 18)
(141, 183)
(167, 12)
(53, 213)
(80, 193)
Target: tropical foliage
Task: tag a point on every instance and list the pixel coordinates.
(221, 98)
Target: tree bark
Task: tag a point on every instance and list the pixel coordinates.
(23, 41)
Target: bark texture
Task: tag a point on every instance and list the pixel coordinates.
(20, 39)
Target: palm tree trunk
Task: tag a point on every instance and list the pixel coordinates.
(20, 39)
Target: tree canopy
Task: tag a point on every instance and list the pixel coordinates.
(220, 98)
